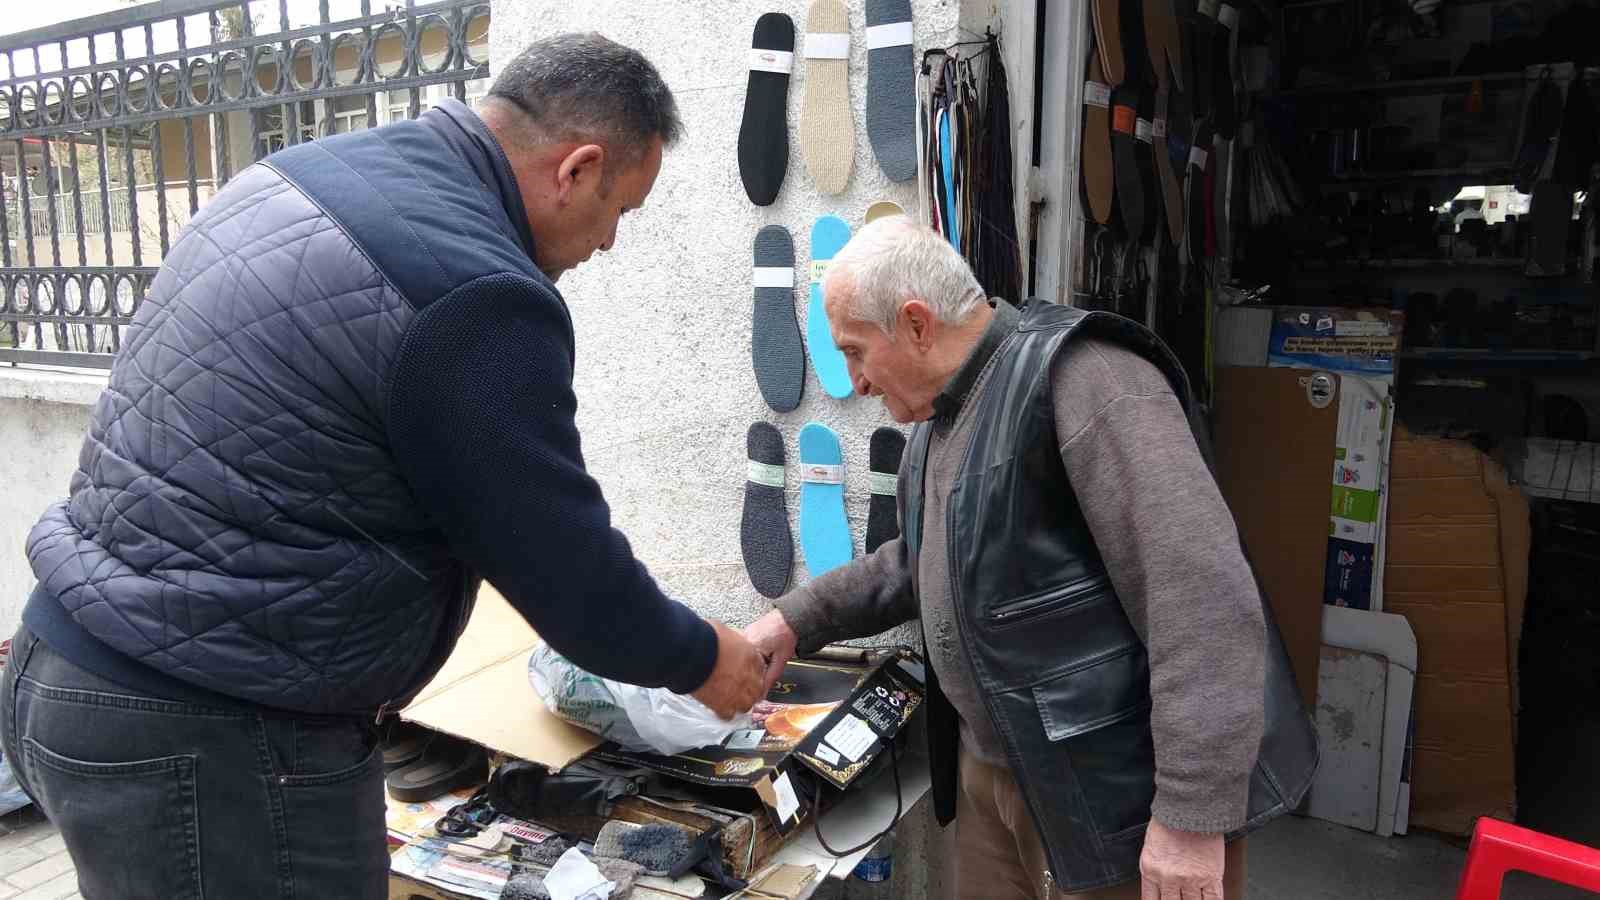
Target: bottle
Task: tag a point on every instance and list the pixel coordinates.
(873, 876)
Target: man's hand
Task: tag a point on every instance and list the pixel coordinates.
(738, 679)
(1181, 865)
(776, 641)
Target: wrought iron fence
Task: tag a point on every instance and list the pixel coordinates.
(98, 115)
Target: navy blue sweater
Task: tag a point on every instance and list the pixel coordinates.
(347, 397)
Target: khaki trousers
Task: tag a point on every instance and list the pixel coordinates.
(998, 855)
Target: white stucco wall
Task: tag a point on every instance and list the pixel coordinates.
(664, 382)
(43, 416)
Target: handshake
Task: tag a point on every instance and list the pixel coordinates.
(748, 663)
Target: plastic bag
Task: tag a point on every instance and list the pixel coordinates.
(641, 719)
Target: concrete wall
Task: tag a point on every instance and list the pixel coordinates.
(43, 416)
(664, 381)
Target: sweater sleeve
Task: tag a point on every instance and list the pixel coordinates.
(1172, 552)
(864, 597)
(481, 419)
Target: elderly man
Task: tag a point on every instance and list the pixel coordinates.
(1109, 701)
(347, 400)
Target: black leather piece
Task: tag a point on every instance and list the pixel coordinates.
(1540, 124)
(1135, 43)
(1045, 634)
(588, 788)
(1180, 130)
(1144, 156)
(1131, 200)
(1576, 145)
(1224, 116)
(1194, 193)
(1201, 53)
(1550, 215)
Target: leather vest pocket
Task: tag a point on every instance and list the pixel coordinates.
(1099, 717)
(1046, 603)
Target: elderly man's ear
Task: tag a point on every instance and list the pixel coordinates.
(918, 323)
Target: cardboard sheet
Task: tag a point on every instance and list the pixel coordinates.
(1273, 450)
(1457, 568)
(482, 693)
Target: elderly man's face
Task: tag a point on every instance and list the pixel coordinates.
(893, 368)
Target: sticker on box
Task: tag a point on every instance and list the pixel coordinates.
(852, 737)
(747, 739)
(787, 803)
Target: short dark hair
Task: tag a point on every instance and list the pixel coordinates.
(588, 86)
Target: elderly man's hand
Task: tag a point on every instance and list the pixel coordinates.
(772, 636)
(1181, 865)
(737, 680)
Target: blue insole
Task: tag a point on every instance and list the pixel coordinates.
(825, 540)
(828, 236)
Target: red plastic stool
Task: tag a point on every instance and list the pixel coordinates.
(1499, 847)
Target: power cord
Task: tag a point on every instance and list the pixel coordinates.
(899, 809)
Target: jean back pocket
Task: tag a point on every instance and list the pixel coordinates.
(123, 815)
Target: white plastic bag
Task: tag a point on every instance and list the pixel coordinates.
(641, 719)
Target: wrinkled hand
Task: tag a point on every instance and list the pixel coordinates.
(776, 641)
(1181, 865)
(738, 679)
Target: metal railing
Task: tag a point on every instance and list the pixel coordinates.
(118, 99)
(120, 201)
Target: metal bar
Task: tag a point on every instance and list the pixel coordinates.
(104, 157)
(77, 206)
(121, 19)
(57, 358)
(116, 19)
(5, 230)
(291, 112)
(66, 319)
(309, 31)
(368, 55)
(27, 205)
(219, 121)
(156, 153)
(107, 225)
(412, 61)
(143, 271)
(133, 195)
(47, 169)
(393, 85)
(190, 161)
(182, 101)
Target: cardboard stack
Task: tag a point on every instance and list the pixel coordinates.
(1457, 570)
(827, 721)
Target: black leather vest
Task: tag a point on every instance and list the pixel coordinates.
(1064, 674)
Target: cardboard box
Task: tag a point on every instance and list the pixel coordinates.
(830, 718)
(1457, 570)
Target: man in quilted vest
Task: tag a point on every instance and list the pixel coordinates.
(345, 402)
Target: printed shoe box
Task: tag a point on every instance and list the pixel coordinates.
(822, 729)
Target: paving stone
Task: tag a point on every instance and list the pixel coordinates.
(18, 859)
(48, 846)
(58, 888)
(41, 872)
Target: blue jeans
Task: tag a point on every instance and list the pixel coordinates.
(165, 800)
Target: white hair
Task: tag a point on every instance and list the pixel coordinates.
(893, 260)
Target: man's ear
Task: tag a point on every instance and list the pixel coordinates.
(580, 172)
(916, 318)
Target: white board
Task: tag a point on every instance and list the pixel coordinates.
(1389, 636)
(1351, 690)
